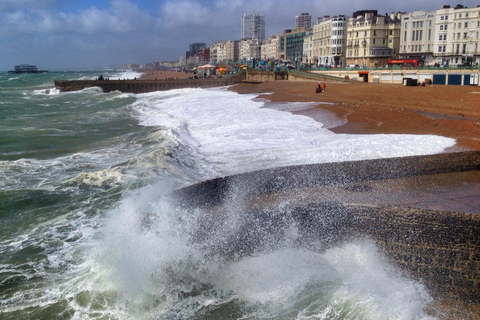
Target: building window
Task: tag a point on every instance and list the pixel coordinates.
(421, 35)
(465, 35)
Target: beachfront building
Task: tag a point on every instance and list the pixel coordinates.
(308, 48)
(204, 56)
(270, 48)
(338, 41)
(457, 35)
(372, 39)
(253, 26)
(249, 50)
(321, 37)
(329, 41)
(232, 50)
(291, 45)
(418, 37)
(218, 52)
(303, 20)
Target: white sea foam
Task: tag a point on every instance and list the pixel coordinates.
(236, 134)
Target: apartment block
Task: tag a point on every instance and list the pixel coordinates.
(303, 20)
(457, 40)
(291, 44)
(372, 39)
(253, 26)
(418, 37)
(329, 41)
(232, 50)
(249, 50)
(218, 52)
(270, 48)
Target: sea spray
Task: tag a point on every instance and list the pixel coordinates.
(156, 255)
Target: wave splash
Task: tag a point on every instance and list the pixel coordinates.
(157, 256)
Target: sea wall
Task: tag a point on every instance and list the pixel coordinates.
(439, 248)
(142, 86)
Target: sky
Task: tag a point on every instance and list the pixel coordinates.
(93, 34)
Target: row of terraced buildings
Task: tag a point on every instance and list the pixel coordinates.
(448, 36)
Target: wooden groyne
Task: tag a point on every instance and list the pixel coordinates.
(143, 86)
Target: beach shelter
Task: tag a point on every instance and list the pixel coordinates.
(207, 66)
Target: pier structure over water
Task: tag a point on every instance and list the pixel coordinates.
(26, 68)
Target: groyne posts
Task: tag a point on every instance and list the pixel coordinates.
(142, 86)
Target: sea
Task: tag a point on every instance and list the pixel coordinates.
(87, 230)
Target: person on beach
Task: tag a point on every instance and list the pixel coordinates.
(324, 86)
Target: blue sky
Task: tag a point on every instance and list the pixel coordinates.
(86, 34)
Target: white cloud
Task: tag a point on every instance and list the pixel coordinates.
(121, 17)
(181, 14)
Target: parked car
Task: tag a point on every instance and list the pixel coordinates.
(353, 66)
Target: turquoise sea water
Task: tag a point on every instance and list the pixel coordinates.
(85, 232)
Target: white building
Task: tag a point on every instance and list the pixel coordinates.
(218, 52)
(270, 48)
(461, 27)
(253, 26)
(329, 41)
(417, 36)
(249, 50)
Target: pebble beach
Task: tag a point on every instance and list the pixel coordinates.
(449, 111)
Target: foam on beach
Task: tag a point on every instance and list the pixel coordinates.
(235, 133)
